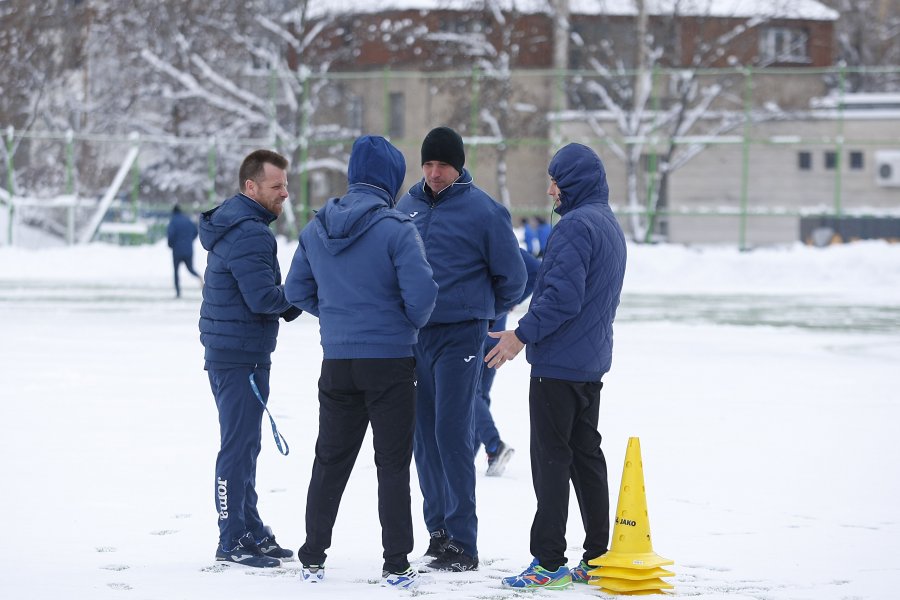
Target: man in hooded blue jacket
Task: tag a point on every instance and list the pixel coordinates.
(360, 267)
(471, 246)
(568, 332)
(242, 302)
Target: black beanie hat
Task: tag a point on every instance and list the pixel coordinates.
(444, 145)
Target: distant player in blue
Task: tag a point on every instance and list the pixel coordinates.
(543, 235)
(568, 331)
(181, 233)
(498, 452)
(529, 237)
(474, 253)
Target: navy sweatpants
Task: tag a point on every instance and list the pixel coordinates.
(565, 445)
(448, 364)
(240, 417)
(353, 393)
(485, 430)
(188, 261)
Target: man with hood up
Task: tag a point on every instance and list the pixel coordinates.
(360, 267)
(568, 332)
(242, 302)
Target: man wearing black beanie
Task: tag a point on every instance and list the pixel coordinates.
(474, 255)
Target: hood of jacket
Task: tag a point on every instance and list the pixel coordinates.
(217, 222)
(375, 174)
(580, 177)
(374, 161)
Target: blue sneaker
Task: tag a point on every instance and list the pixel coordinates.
(536, 576)
(580, 573)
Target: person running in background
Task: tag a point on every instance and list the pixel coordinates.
(498, 452)
(360, 267)
(568, 331)
(181, 233)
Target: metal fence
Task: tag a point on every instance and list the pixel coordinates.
(735, 156)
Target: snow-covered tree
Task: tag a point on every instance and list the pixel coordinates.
(652, 96)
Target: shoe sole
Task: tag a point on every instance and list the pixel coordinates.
(499, 466)
(550, 586)
(244, 564)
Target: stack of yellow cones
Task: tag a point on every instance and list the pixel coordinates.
(631, 567)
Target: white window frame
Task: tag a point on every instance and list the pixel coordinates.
(784, 44)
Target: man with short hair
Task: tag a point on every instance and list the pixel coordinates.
(242, 301)
(477, 265)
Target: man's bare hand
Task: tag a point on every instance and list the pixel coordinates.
(506, 349)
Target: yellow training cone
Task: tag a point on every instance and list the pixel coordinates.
(633, 566)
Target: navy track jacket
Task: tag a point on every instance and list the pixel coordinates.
(472, 249)
(242, 293)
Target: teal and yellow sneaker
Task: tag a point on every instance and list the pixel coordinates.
(536, 576)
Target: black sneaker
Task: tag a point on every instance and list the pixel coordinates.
(497, 460)
(454, 559)
(270, 547)
(246, 552)
(437, 544)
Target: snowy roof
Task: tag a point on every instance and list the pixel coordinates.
(783, 9)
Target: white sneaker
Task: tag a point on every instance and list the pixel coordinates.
(407, 580)
(312, 573)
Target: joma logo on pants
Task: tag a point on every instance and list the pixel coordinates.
(222, 490)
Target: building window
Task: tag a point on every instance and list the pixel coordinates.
(355, 113)
(830, 160)
(804, 161)
(397, 115)
(784, 45)
(856, 161)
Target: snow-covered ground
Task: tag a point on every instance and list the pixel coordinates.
(763, 387)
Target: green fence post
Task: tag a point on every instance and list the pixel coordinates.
(652, 164)
(745, 159)
(839, 144)
(10, 182)
(70, 186)
(472, 159)
(386, 101)
(304, 148)
(211, 172)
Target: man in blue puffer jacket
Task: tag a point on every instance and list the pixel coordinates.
(568, 332)
(360, 267)
(242, 301)
(477, 265)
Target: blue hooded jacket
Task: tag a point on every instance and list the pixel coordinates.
(472, 249)
(242, 292)
(568, 326)
(360, 265)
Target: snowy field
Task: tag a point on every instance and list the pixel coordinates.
(763, 387)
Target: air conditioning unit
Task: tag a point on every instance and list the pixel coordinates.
(887, 168)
